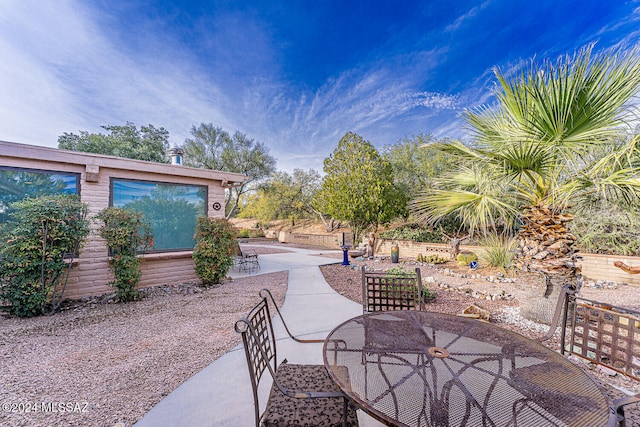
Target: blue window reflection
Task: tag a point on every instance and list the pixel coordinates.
(171, 209)
(18, 183)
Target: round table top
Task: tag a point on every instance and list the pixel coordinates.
(417, 368)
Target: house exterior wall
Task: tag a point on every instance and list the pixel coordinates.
(90, 274)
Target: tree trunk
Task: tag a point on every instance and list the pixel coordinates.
(546, 261)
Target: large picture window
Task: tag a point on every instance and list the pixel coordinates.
(19, 183)
(171, 209)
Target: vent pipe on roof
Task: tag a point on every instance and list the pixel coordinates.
(176, 154)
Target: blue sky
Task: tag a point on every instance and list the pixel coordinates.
(295, 75)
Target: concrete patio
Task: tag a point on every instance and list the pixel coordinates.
(220, 394)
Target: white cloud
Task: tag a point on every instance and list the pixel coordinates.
(463, 19)
(63, 74)
(64, 71)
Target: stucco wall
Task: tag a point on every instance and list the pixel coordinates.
(90, 274)
(594, 267)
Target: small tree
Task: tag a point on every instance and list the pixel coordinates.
(213, 253)
(358, 186)
(148, 143)
(213, 148)
(38, 246)
(126, 234)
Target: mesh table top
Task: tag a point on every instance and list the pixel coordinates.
(417, 368)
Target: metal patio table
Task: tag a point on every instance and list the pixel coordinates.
(416, 368)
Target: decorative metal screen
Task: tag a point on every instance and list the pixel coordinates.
(604, 334)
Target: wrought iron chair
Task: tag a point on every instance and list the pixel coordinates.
(385, 292)
(245, 261)
(301, 395)
(600, 333)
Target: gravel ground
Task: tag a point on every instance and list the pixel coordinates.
(116, 361)
(109, 363)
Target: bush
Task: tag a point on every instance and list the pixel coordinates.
(431, 259)
(40, 241)
(244, 233)
(413, 232)
(608, 231)
(497, 250)
(418, 233)
(400, 271)
(465, 258)
(213, 253)
(126, 234)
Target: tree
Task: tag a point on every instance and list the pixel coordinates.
(555, 139)
(287, 196)
(149, 143)
(212, 148)
(358, 186)
(415, 163)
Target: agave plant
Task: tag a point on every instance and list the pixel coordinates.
(558, 136)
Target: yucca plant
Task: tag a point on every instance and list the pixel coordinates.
(497, 250)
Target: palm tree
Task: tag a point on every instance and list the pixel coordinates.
(555, 140)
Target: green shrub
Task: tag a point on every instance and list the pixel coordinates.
(39, 243)
(413, 232)
(126, 234)
(465, 258)
(608, 231)
(213, 253)
(431, 259)
(400, 271)
(419, 233)
(244, 233)
(497, 250)
(428, 295)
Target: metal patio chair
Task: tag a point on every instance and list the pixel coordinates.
(245, 260)
(385, 292)
(301, 395)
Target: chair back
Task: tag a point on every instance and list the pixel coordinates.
(235, 249)
(603, 334)
(390, 291)
(259, 346)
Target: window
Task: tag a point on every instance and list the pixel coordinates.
(19, 183)
(171, 209)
